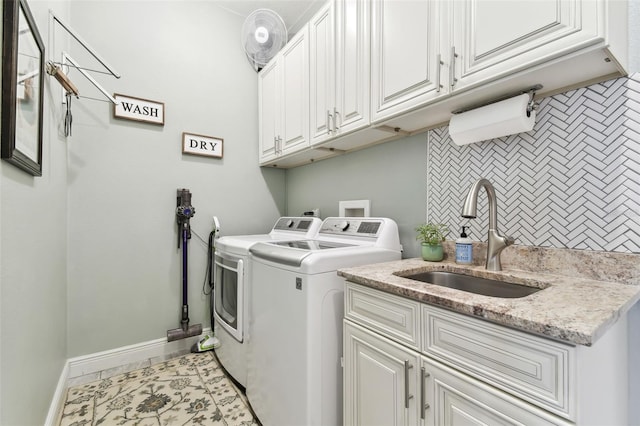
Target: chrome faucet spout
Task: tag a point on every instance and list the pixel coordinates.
(495, 242)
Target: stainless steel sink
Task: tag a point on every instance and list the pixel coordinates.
(483, 286)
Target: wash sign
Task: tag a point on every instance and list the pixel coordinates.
(138, 109)
(207, 146)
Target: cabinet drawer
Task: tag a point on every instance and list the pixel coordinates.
(394, 317)
(535, 369)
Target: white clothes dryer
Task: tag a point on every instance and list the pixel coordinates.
(232, 288)
(294, 371)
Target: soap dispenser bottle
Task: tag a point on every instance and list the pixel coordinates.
(464, 248)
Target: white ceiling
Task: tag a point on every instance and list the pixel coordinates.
(295, 13)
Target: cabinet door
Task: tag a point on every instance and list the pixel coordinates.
(353, 65)
(322, 74)
(404, 57)
(269, 110)
(452, 398)
(380, 379)
(294, 75)
(496, 38)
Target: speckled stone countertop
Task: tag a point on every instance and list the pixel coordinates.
(571, 308)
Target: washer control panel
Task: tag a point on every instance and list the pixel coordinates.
(365, 227)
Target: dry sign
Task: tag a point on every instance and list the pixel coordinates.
(201, 145)
(137, 109)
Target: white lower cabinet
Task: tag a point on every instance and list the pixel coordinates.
(380, 383)
(452, 398)
(388, 384)
(411, 363)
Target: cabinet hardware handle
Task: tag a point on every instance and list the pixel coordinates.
(275, 145)
(329, 122)
(452, 71)
(335, 119)
(423, 404)
(279, 145)
(407, 397)
(438, 67)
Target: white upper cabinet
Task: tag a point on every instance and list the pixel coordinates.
(322, 73)
(284, 100)
(269, 110)
(481, 50)
(366, 71)
(490, 39)
(353, 46)
(339, 37)
(295, 93)
(405, 67)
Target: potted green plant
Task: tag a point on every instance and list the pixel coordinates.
(432, 235)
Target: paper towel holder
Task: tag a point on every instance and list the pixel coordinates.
(530, 107)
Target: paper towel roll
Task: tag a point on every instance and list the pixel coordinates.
(499, 119)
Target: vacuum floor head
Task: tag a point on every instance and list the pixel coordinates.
(179, 333)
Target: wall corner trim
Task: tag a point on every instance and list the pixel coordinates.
(58, 397)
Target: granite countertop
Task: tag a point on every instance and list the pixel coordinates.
(573, 309)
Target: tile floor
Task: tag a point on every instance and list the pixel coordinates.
(233, 413)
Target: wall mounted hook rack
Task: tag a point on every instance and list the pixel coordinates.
(66, 58)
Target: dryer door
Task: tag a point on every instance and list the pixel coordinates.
(228, 293)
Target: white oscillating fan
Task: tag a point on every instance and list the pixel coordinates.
(263, 35)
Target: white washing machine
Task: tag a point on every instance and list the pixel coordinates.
(232, 288)
(294, 373)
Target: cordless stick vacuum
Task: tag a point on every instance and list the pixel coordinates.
(184, 212)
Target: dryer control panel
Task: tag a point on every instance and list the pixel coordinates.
(300, 224)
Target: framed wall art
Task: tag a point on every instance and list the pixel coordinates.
(138, 109)
(207, 146)
(22, 88)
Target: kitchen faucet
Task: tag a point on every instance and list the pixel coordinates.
(496, 242)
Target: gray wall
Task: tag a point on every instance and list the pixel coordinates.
(88, 255)
(392, 175)
(33, 259)
(124, 266)
(634, 36)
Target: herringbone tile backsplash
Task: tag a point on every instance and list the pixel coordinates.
(573, 181)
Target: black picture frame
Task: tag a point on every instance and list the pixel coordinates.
(22, 88)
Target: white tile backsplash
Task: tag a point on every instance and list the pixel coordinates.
(573, 181)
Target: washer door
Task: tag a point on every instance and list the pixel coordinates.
(228, 293)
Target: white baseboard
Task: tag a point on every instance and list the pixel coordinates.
(92, 363)
(87, 364)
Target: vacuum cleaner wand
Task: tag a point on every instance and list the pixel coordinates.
(184, 212)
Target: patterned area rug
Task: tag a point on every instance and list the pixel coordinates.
(189, 390)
